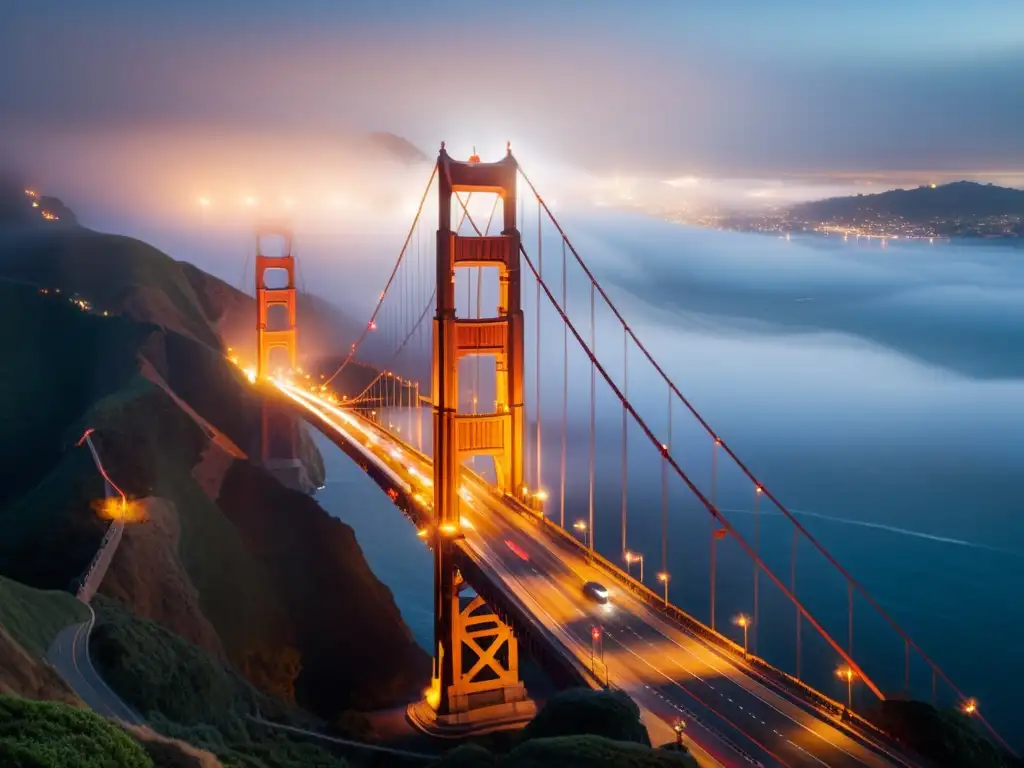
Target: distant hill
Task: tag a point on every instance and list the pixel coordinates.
(960, 199)
(397, 146)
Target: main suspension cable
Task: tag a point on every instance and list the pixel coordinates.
(369, 326)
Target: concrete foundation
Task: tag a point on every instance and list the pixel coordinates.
(512, 711)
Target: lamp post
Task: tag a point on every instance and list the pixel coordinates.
(744, 621)
(679, 726)
(845, 673)
(595, 641)
(539, 497)
(634, 557)
(582, 527)
(663, 577)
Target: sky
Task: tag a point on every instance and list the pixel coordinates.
(730, 86)
(153, 106)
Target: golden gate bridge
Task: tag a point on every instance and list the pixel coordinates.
(475, 474)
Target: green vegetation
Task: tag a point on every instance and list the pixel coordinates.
(42, 734)
(34, 617)
(189, 695)
(611, 714)
(156, 671)
(947, 738)
(587, 751)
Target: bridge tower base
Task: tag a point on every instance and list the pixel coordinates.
(487, 694)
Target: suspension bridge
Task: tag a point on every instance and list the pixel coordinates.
(533, 472)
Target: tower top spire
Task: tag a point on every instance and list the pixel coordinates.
(474, 158)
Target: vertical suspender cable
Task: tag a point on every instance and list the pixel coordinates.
(419, 420)
(792, 588)
(536, 368)
(849, 592)
(565, 392)
(714, 524)
(664, 492)
(593, 387)
(625, 433)
(757, 560)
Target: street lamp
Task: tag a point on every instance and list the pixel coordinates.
(969, 707)
(679, 726)
(634, 557)
(582, 527)
(663, 577)
(845, 673)
(744, 621)
(536, 500)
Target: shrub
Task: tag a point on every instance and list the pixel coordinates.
(578, 711)
(43, 734)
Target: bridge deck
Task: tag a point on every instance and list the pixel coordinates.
(733, 716)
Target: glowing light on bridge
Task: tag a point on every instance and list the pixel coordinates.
(664, 578)
(634, 557)
(583, 528)
(742, 620)
(845, 673)
(970, 706)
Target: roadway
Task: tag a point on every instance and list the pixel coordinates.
(731, 717)
(69, 655)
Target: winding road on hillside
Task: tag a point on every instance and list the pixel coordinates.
(69, 655)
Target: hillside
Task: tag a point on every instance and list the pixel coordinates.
(29, 621)
(139, 360)
(961, 199)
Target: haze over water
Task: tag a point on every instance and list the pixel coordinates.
(877, 392)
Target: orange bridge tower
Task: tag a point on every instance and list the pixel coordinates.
(476, 680)
(276, 352)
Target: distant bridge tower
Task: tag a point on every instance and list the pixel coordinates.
(284, 336)
(277, 337)
(472, 685)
